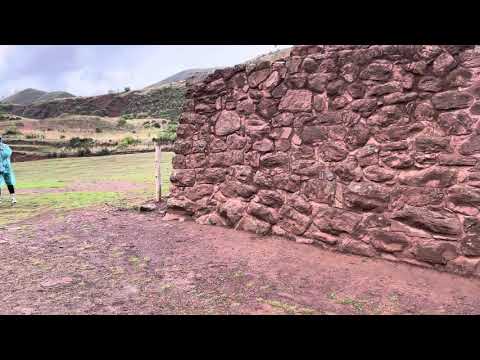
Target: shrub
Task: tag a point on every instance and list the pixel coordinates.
(128, 116)
(166, 136)
(12, 131)
(5, 107)
(121, 122)
(98, 130)
(84, 152)
(104, 152)
(35, 136)
(169, 133)
(128, 141)
(77, 142)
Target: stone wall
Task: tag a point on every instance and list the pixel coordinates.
(370, 150)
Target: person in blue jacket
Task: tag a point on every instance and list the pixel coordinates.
(6, 171)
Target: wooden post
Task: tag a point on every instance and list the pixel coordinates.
(158, 172)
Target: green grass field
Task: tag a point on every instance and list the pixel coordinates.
(72, 183)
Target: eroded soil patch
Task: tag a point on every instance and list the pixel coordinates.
(104, 261)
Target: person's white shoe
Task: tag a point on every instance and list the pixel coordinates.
(14, 201)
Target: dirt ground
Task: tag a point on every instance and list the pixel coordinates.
(109, 261)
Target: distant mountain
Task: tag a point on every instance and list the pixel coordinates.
(181, 76)
(30, 96)
(24, 97)
(53, 95)
(271, 56)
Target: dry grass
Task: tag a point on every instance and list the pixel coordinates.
(64, 184)
(108, 136)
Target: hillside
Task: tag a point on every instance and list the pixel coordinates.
(271, 56)
(53, 95)
(180, 77)
(30, 96)
(24, 97)
(165, 102)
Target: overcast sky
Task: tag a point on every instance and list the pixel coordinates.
(92, 70)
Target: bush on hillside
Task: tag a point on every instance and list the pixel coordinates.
(128, 141)
(12, 131)
(84, 152)
(166, 136)
(77, 142)
(35, 136)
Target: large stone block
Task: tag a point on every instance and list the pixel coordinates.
(252, 224)
(464, 199)
(210, 175)
(183, 177)
(437, 177)
(450, 100)
(270, 198)
(436, 252)
(319, 190)
(263, 212)
(296, 100)
(336, 221)
(456, 123)
(232, 210)
(293, 221)
(365, 196)
(436, 222)
(388, 241)
(227, 123)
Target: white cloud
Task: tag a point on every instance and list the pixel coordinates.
(94, 70)
(5, 50)
(13, 86)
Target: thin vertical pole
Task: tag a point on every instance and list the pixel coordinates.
(158, 172)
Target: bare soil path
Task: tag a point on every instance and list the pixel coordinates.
(106, 261)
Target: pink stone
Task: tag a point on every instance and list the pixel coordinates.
(443, 63)
(227, 123)
(264, 145)
(272, 81)
(296, 100)
(257, 77)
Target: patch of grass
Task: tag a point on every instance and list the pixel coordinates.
(356, 304)
(12, 131)
(77, 142)
(289, 309)
(61, 174)
(128, 141)
(332, 296)
(31, 205)
(134, 260)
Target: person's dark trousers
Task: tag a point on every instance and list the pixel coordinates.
(11, 189)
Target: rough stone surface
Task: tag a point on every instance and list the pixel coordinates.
(437, 222)
(371, 150)
(228, 122)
